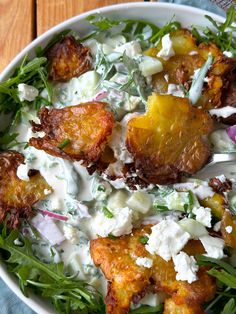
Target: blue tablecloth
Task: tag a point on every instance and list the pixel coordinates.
(9, 303)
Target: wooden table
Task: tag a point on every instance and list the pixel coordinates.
(23, 20)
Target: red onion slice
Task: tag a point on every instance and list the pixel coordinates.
(231, 131)
(53, 215)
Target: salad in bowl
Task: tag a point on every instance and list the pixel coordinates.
(101, 206)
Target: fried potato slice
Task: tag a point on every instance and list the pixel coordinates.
(179, 69)
(75, 133)
(129, 282)
(216, 203)
(167, 140)
(18, 196)
(68, 59)
(229, 236)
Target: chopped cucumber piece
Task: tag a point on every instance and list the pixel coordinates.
(149, 66)
(193, 227)
(140, 201)
(117, 199)
(115, 41)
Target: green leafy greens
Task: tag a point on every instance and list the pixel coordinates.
(66, 293)
(226, 279)
(221, 34)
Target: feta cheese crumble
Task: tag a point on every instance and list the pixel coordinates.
(186, 267)
(229, 229)
(216, 227)
(27, 92)
(132, 49)
(175, 90)
(213, 246)
(228, 54)
(119, 224)
(167, 50)
(203, 215)
(167, 239)
(224, 112)
(22, 172)
(144, 261)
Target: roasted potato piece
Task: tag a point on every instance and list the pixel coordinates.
(68, 59)
(229, 236)
(167, 140)
(75, 133)
(128, 281)
(219, 80)
(179, 69)
(216, 203)
(18, 196)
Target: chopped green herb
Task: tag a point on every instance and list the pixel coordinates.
(143, 239)
(136, 78)
(111, 236)
(101, 188)
(107, 212)
(161, 208)
(144, 309)
(64, 143)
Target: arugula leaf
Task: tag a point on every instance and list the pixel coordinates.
(166, 29)
(222, 34)
(206, 261)
(66, 293)
(222, 275)
(148, 309)
(131, 29)
(230, 307)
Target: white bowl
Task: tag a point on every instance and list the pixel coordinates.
(157, 13)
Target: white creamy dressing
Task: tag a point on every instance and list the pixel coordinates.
(224, 112)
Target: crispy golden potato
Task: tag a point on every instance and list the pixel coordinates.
(129, 282)
(218, 85)
(229, 237)
(167, 140)
(75, 133)
(18, 196)
(220, 89)
(68, 59)
(216, 203)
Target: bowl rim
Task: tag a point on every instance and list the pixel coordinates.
(11, 281)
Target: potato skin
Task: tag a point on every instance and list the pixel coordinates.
(68, 59)
(129, 282)
(18, 196)
(87, 127)
(166, 141)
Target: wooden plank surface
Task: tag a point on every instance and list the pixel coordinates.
(16, 28)
(22, 20)
(52, 12)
